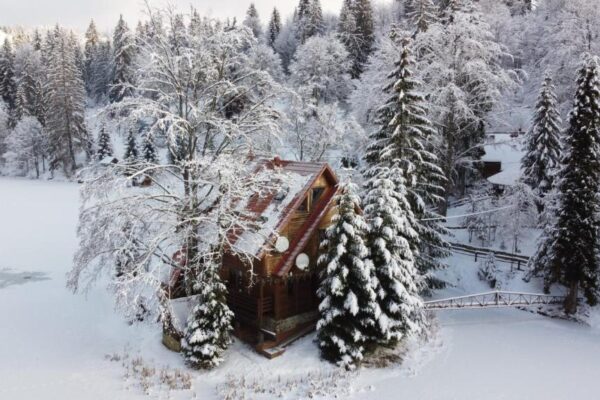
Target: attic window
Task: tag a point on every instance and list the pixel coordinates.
(317, 193)
(304, 205)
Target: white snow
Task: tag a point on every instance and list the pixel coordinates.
(53, 343)
(509, 152)
(251, 242)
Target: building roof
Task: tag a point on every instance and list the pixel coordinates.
(509, 153)
(276, 208)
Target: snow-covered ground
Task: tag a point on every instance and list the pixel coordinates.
(54, 345)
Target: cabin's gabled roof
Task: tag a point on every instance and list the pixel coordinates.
(275, 209)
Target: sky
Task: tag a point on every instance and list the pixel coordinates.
(76, 14)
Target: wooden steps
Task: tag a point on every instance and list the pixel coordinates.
(271, 350)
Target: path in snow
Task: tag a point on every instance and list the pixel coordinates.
(52, 343)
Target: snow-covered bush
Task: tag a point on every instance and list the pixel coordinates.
(209, 326)
(488, 271)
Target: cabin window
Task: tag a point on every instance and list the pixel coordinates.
(317, 193)
(304, 206)
(236, 281)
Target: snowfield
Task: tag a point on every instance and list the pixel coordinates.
(56, 345)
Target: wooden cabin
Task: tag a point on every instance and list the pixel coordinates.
(277, 303)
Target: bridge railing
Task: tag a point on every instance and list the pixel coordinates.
(493, 299)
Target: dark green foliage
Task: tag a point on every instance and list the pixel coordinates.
(543, 142)
(404, 138)
(569, 250)
(105, 148)
(349, 308)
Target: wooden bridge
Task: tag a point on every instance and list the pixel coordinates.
(493, 299)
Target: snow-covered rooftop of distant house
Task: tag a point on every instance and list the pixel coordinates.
(509, 152)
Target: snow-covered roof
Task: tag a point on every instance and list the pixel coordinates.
(274, 209)
(509, 153)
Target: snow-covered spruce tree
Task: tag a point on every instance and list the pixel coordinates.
(149, 150)
(105, 148)
(201, 190)
(543, 145)
(65, 101)
(29, 93)
(391, 240)
(131, 157)
(208, 330)
(309, 19)
(346, 29)
(90, 54)
(349, 310)
(103, 70)
(488, 271)
(568, 253)
(8, 86)
(404, 136)
(365, 31)
(4, 130)
(124, 52)
(356, 31)
(422, 13)
(252, 21)
(273, 28)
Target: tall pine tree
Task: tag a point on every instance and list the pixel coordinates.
(252, 21)
(391, 240)
(149, 150)
(29, 99)
(65, 102)
(356, 30)
(274, 28)
(568, 253)
(543, 146)
(105, 148)
(349, 310)
(8, 85)
(309, 19)
(422, 13)
(404, 137)
(90, 54)
(124, 52)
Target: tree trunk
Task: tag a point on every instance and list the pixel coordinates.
(571, 300)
